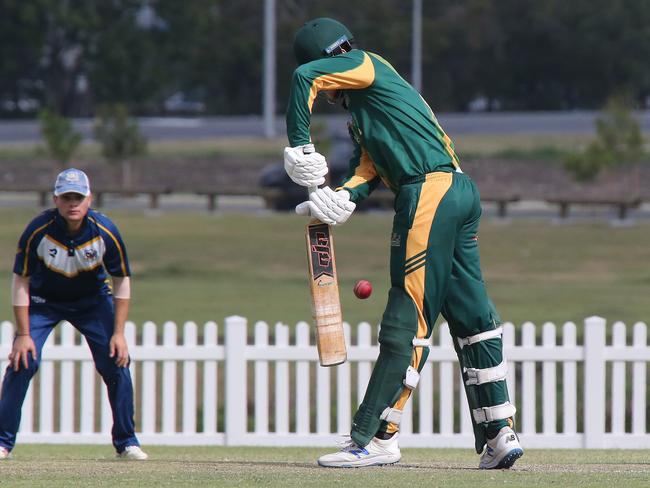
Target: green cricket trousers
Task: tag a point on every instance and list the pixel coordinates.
(435, 268)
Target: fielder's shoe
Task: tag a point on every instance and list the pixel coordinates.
(502, 451)
(351, 455)
(4, 454)
(133, 453)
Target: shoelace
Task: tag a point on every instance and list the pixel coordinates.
(346, 444)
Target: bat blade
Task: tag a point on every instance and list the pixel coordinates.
(326, 304)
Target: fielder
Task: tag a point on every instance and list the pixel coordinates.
(61, 272)
(434, 261)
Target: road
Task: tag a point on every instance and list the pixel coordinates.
(158, 128)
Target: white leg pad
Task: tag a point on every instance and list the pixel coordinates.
(391, 415)
(412, 378)
(487, 375)
(497, 412)
(483, 336)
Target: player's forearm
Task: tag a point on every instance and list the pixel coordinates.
(20, 302)
(21, 313)
(121, 314)
(362, 178)
(121, 298)
(359, 191)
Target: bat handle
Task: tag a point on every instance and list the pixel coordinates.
(308, 149)
(312, 189)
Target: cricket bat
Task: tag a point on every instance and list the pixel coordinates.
(324, 287)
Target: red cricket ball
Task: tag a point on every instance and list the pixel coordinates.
(362, 289)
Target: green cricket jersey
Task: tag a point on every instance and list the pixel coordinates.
(395, 132)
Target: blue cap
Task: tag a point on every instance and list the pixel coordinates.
(72, 180)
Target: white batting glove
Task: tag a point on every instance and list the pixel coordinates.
(304, 165)
(329, 206)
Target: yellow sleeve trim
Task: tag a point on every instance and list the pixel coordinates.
(29, 243)
(363, 173)
(354, 79)
(117, 244)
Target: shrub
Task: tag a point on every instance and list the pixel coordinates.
(60, 138)
(618, 140)
(119, 136)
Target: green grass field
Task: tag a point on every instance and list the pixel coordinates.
(192, 148)
(81, 466)
(197, 266)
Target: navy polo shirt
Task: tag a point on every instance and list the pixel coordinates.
(63, 267)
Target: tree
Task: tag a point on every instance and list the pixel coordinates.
(60, 138)
(72, 55)
(120, 138)
(130, 60)
(21, 42)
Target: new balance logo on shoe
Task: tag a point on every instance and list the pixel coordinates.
(502, 451)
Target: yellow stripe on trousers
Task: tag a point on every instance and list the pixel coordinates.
(433, 190)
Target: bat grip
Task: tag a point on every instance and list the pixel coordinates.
(310, 190)
(308, 149)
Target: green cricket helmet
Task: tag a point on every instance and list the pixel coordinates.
(321, 38)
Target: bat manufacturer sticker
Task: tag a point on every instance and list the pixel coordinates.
(321, 251)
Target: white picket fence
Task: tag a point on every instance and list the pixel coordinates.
(568, 395)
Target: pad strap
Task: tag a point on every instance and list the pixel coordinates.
(421, 342)
(497, 412)
(412, 378)
(487, 375)
(391, 415)
(482, 336)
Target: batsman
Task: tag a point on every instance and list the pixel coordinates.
(434, 258)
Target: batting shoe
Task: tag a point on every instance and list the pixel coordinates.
(502, 451)
(351, 455)
(4, 454)
(133, 453)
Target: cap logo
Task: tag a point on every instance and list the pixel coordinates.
(329, 49)
(72, 177)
